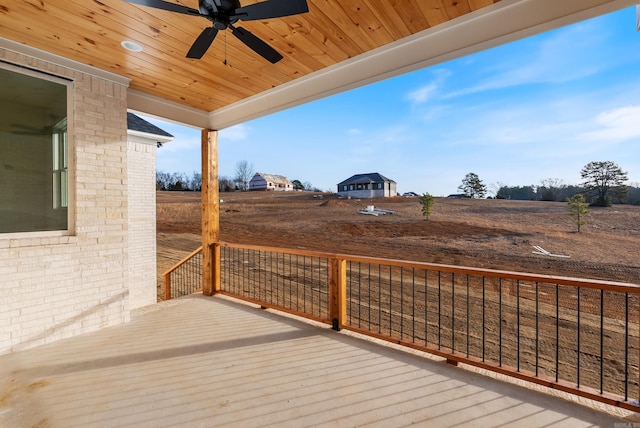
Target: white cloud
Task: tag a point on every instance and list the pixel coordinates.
(354, 131)
(236, 132)
(617, 125)
(561, 56)
(427, 92)
(423, 94)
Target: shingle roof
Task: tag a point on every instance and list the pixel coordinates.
(136, 123)
(372, 177)
(274, 178)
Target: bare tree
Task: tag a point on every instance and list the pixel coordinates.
(163, 179)
(226, 184)
(195, 182)
(494, 188)
(244, 174)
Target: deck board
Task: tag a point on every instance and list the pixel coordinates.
(210, 361)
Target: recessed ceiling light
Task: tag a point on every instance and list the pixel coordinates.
(131, 46)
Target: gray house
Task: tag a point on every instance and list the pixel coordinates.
(372, 185)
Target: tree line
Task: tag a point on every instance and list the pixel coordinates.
(604, 183)
(179, 181)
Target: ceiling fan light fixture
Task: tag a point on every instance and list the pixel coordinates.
(131, 46)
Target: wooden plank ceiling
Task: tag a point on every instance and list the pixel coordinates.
(90, 32)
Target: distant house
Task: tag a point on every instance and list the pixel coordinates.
(371, 185)
(262, 181)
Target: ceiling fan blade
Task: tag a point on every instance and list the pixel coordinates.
(255, 43)
(271, 9)
(165, 5)
(202, 43)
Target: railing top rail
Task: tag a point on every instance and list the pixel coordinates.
(551, 279)
(183, 261)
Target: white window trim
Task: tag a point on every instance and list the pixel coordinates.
(71, 176)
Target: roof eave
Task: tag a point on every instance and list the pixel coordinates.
(499, 23)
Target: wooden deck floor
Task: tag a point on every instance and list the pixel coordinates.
(208, 361)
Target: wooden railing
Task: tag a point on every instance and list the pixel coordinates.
(185, 277)
(575, 335)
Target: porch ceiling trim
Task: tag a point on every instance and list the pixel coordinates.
(500, 23)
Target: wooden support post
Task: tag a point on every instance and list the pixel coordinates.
(167, 286)
(216, 267)
(338, 292)
(210, 208)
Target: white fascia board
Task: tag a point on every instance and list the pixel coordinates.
(60, 61)
(499, 23)
(159, 108)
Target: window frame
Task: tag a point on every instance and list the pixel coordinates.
(69, 158)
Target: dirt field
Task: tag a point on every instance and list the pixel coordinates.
(497, 234)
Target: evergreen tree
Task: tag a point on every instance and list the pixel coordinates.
(472, 186)
(426, 201)
(578, 210)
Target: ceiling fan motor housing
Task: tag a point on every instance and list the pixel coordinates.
(218, 12)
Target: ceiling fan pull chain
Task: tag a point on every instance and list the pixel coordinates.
(225, 48)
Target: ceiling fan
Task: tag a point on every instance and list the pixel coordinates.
(224, 14)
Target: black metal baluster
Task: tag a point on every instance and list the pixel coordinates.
(578, 356)
(500, 322)
(390, 303)
(426, 302)
(483, 318)
(453, 312)
(401, 303)
(359, 294)
(413, 305)
(379, 299)
(439, 308)
(626, 346)
(601, 340)
(537, 327)
(369, 294)
(518, 324)
(557, 331)
(468, 336)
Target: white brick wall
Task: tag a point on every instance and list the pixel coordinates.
(142, 221)
(56, 287)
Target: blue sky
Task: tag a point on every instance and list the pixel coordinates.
(535, 109)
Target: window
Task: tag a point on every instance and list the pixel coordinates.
(34, 152)
(59, 146)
